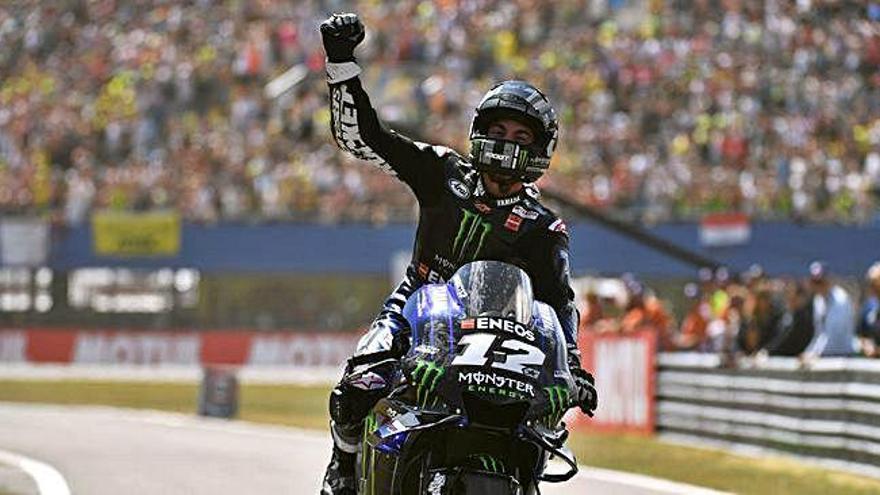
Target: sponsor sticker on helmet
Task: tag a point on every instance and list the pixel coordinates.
(495, 156)
(459, 188)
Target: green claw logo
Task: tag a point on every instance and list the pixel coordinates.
(472, 229)
(371, 423)
(490, 463)
(560, 400)
(425, 377)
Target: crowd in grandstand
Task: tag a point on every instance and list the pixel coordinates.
(751, 315)
(766, 107)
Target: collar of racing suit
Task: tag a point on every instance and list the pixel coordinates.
(528, 189)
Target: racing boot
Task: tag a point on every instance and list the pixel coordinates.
(339, 478)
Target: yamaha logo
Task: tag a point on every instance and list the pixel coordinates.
(459, 188)
(508, 201)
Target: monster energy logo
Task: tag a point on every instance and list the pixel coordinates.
(425, 377)
(371, 423)
(472, 230)
(489, 463)
(560, 400)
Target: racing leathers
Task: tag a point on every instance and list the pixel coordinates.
(459, 222)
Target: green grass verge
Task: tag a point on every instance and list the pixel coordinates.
(307, 407)
(289, 405)
(716, 469)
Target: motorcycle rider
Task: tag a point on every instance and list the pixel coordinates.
(482, 207)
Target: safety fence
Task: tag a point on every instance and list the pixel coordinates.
(158, 348)
(830, 412)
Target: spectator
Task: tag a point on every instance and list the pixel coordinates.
(758, 107)
(591, 310)
(693, 334)
(646, 312)
(764, 324)
(833, 317)
(796, 328)
(869, 320)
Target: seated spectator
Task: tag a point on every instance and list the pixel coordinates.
(833, 317)
(774, 114)
(869, 319)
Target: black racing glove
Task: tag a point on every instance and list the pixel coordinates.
(341, 34)
(585, 391)
(584, 385)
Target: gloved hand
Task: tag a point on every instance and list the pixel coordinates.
(341, 34)
(585, 390)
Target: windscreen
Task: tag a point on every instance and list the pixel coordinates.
(493, 288)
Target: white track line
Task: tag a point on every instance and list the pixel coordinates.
(49, 481)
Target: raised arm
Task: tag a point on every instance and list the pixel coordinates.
(354, 123)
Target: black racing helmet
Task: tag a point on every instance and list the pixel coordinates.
(520, 101)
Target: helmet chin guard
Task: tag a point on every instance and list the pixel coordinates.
(506, 157)
(520, 101)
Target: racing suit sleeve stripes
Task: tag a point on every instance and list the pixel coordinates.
(357, 130)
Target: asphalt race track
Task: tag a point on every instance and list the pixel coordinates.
(106, 451)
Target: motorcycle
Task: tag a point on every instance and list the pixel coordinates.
(479, 397)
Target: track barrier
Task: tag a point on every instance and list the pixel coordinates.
(830, 412)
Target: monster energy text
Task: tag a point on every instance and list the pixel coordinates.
(501, 392)
(472, 233)
(514, 388)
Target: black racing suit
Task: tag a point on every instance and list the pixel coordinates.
(458, 223)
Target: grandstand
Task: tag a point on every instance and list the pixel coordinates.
(169, 184)
(767, 108)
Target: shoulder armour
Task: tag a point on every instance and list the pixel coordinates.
(548, 218)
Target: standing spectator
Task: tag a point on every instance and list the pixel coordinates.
(646, 312)
(764, 323)
(694, 328)
(869, 320)
(796, 328)
(753, 280)
(833, 317)
(591, 310)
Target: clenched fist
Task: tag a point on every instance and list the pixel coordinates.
(341, 34)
